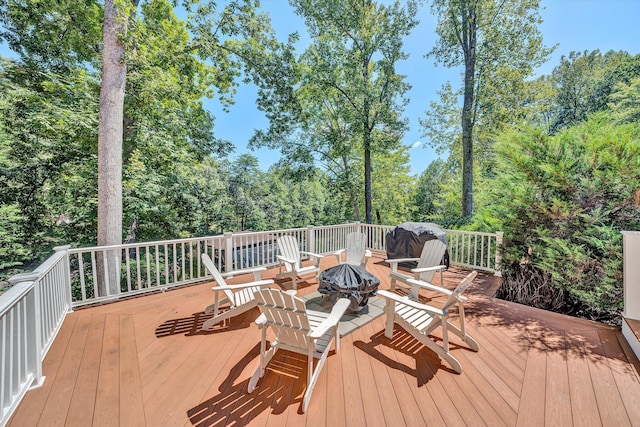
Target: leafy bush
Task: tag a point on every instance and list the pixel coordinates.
(562, 201)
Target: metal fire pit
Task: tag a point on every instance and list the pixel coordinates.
(348, 281)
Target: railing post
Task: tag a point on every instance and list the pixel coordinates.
(228, 252)
(631, 269)
(67, 274)
(499, 242)
(311, 239)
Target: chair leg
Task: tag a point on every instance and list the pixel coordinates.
(439, 350)
(390, 311)
(312, 377)
(265, 358)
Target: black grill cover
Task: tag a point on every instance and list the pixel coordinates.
(407, 240)
(349, 281)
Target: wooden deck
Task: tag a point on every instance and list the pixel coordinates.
(144, 362)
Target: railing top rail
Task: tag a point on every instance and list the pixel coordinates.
(51, 262)
(151, 243)
(13, 295)
(473, 233)
(345, 225)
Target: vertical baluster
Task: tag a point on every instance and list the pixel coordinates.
(127, 262)
(138, 268)
(182, 264)
(83, 288)
(94, 273)
(489, 254)
(175, 264)
(19, 337)
(4, 373)
(147, 255)
(191, 259)
(105, 261)
(11, 371)
(475, 249)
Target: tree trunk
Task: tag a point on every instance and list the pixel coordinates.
(367, 177)
(366, 145)
(352, 195)
(469, 29)
(110, 127)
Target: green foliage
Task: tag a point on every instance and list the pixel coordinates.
(346, 98)
(12, 249)
(498, 44)
(563, 200)
(625, 102)
(584, 83)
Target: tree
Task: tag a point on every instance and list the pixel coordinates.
(625, 102)
(492, 40)
(347, 90)
(110, 128)
(561, 201)
(585, 81)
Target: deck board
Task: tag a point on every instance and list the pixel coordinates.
(144, 361)
(83, 400)
(557, 392)
(532, 400)
(62, 389)
(584, 407)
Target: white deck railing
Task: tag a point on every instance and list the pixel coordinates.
(32, 311)
(152, 266)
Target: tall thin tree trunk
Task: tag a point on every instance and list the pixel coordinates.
(110, 127)
(352, 195)
(366, 142)
(469, 31)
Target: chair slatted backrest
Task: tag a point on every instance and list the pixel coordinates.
(356, 245)
(286, 315)
(464, 284)
(432, 254)
(208, 263)
(288, 246)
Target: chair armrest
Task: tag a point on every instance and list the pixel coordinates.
(318, 256)
(429, 286)
(425, 269)
(338, 254)
(397, 260)
(260, 283)
(261, 320)
(257, 272)
(406, 301)
(287, 260)
(336, 314)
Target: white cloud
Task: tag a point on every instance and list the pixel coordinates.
(416, 144)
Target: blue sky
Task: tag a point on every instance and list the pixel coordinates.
(575, 25)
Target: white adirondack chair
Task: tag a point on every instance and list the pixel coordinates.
(240, 297)
(291, 258)
(356, 252)
(428, 264)
(297, 330)
(420, 320)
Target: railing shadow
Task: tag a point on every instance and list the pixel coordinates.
(233, 406)
(192, 325)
